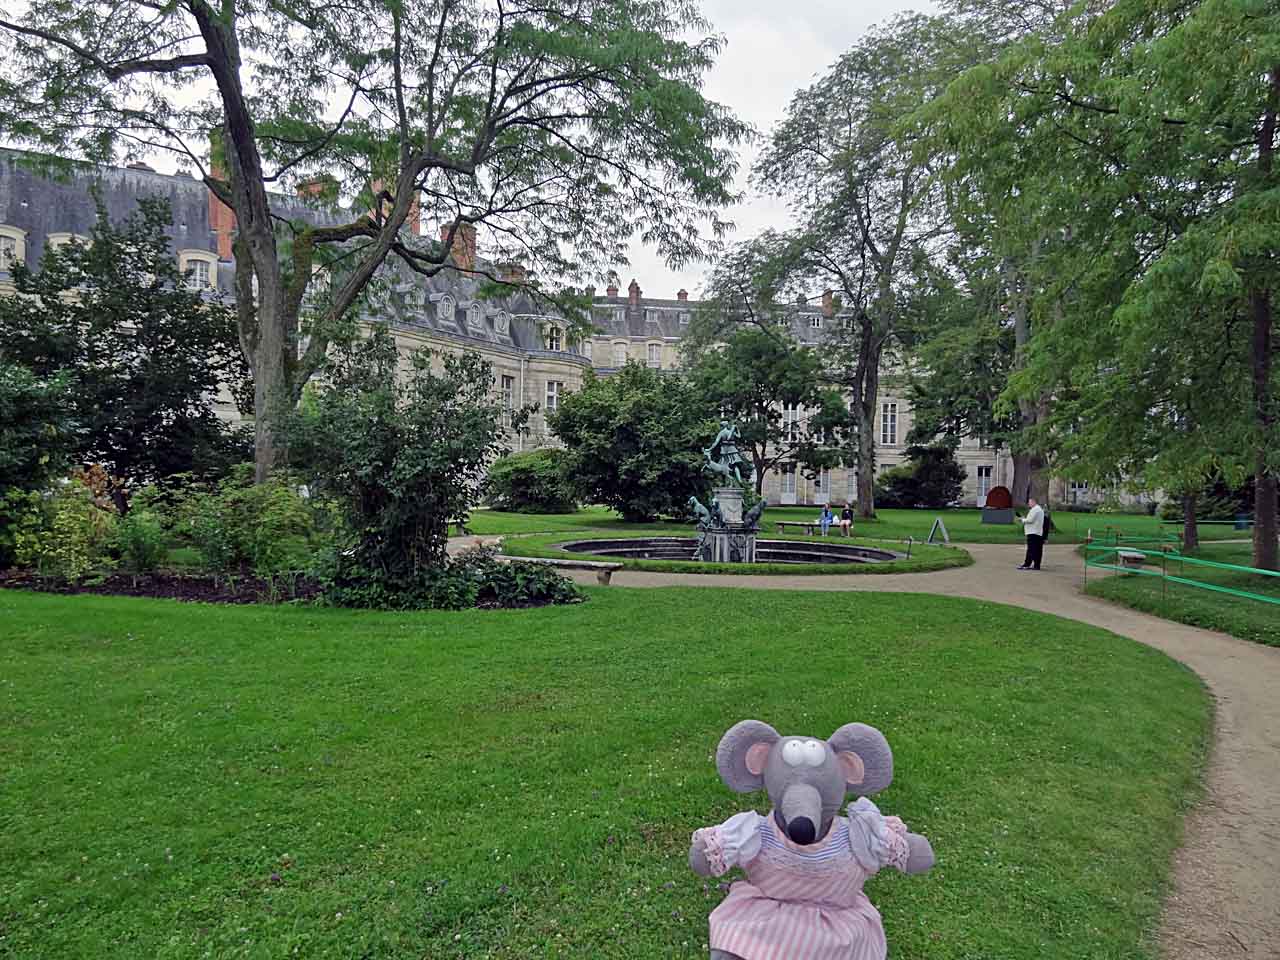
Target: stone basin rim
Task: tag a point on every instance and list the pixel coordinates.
(665, 548)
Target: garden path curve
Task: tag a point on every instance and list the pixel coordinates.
(1226, 897)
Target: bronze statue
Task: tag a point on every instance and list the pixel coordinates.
(724, 457)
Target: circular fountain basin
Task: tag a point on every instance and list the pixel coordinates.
(767, 551)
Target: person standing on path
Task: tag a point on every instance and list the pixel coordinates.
(1033, 527)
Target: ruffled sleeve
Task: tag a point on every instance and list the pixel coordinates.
(734, 843)
(876, 841)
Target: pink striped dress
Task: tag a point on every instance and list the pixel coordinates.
(802, 903)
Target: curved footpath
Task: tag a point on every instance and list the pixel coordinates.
(1226, 897)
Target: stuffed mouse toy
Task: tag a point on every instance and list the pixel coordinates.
(803, 899)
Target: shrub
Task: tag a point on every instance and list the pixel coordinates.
(23, 513)
(931, 477)
(403, 452)
(473, 579)
(69, 536)
(141, 541)
(531, 482)
(268, 528)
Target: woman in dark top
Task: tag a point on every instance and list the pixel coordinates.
(846, 520)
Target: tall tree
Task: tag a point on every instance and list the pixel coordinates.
(867, 205)
(1136, 143)
(144, 355)
(559, 129)
(772, 388)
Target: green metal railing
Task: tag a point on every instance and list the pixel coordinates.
(1106, 555)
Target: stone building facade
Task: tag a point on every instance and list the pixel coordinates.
(533, 357)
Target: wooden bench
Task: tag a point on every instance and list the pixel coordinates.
(808, 527)
(1131, 558)
(603, 569)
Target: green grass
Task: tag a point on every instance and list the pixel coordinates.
(923, 558)
(964, 526)
(1247, 619)
(190, 781)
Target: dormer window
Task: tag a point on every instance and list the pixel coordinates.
(444, 309)
(502, 322)
(56, 240)
(684, 317)
(199, 269)
(651, 316)
(13, 247)
(553, 338)
(475, 316)
(815, 322)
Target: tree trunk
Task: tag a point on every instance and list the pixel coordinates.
(1265, 533)
(1029, 479)
(1190, 529)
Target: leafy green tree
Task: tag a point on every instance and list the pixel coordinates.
(633, 441)
(531, 482)
(143, 355)
(559, 129)
(37, 431)
(772, 388)
(866, 203)
(404, 452)
(1136, 156)
(929, 477)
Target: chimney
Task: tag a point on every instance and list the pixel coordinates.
(683, 296)
(828, 303)
(140, 165)
(512, 273)
(222, 220)
(633, 293)
(464, 245)
(611, 290)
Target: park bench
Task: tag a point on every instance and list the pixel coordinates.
(808, 526)
(604, 570)
(1131, 558)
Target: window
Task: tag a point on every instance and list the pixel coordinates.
(619, 354)
(789, 479)
(554, 389)
(475, 316)
(791, 422)
(651, 316)
(684, 317)
(553, 338)
(12, 247)
(822, 482)
(55, 240)
(655, 355)
(1079, 490)
(502, 322)
(889, 424)
(851, 484)
(444, 309)
(620, 315)
(508, 396)
(984, 483)
(815, 321)
(198, 274)
(199, 267)
(586, 349)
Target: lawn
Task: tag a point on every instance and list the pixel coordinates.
(195, 781)
(964, 526)
(1247, 619)
(924, 557)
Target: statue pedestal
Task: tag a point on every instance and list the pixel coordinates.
(730, 500)
(734, 542)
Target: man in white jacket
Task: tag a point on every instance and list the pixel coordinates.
(1033, 527)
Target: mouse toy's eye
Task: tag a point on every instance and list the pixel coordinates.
(793, 752)
(814, 753)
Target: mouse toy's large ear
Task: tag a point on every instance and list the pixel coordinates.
(864, 757)
(742, 755)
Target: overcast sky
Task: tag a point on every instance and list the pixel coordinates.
(774, 48)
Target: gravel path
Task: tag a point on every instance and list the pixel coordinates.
(1226, 897)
